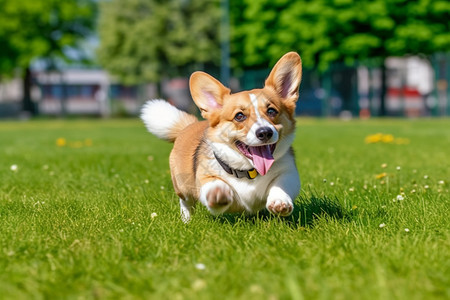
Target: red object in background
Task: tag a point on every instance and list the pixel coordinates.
(403, 92)
(364, 113)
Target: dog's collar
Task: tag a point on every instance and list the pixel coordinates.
(250, 174)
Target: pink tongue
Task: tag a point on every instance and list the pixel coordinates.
(262, 158)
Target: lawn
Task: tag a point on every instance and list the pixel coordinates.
(87, 210)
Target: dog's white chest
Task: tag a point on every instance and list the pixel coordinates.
(251, 193)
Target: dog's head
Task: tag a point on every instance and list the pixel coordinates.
(251, 128)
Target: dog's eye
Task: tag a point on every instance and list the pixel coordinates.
(271, 112)
(240, 117)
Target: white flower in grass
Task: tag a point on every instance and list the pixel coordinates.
(441, 182)
(398, 168)
(38, 203)
(162, 187)
(153, 215)
(426, 187)
(352, 189)
(331, 183)
(382, 225)
(400, 197)
(146, 181)
(200, 266)
(406, 230)
(425, 177)
(14, 168)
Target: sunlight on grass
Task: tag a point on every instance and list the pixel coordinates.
(87, 209)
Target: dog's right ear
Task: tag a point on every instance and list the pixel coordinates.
(208, 93)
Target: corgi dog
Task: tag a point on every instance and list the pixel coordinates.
(239, 159)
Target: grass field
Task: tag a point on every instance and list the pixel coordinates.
(87, 210)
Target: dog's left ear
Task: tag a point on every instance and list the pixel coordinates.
(285, 76)
(208, 93)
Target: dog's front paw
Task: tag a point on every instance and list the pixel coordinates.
(279, 203)
(217, 196)
(280, 208)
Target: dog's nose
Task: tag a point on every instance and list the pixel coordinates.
(264, 133)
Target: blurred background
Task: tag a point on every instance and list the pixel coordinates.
(361, 58)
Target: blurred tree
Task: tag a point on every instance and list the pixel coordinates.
(328, 31)
(147, 40)
(31, 29)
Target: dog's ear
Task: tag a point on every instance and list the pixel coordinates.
(285, 76)
(208, 93)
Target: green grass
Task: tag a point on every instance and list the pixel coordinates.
(76, 221)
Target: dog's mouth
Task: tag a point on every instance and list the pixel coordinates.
(262, 156)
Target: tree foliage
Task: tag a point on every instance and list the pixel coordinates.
(146, 40)
(31, 29)
(326, 31)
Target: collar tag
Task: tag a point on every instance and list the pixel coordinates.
(252, 174)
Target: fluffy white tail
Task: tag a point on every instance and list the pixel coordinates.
(164, 120)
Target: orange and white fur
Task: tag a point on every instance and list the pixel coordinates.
(246, 132)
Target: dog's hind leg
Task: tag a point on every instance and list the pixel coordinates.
(186, 209)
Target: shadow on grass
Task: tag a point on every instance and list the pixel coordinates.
(306, 211)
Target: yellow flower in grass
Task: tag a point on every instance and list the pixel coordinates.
(387, 138)
(88, 142)
(381, 175)
(373, 138)
(61, 142)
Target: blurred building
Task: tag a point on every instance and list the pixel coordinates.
(414, 88)
(10, 97)
(87, 92)
(75, 92)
